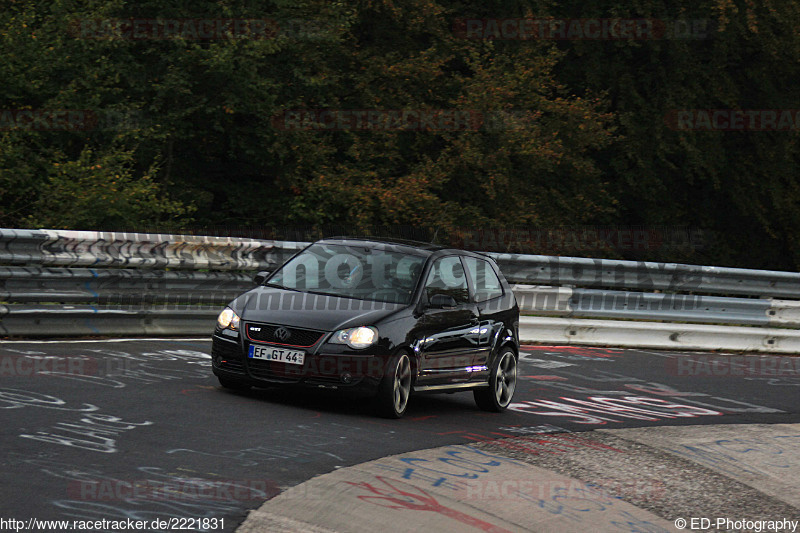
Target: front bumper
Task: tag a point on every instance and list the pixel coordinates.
(349, 372)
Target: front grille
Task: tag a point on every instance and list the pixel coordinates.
(274, 371)
(302, 338)
(325, 380)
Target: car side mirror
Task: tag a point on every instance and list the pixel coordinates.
(442, 301)
(261, 277)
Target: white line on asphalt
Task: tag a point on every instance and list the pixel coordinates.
(144, 339)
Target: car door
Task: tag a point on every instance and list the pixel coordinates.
(447, 337)
(488, 295)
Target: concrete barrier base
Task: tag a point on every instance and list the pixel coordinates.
(715, 477)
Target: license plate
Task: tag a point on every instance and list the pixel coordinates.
(273, 353)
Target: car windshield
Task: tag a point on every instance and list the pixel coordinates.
(359, 272)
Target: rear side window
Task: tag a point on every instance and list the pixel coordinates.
(486, 283)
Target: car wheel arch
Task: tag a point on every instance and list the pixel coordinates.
(413, 357)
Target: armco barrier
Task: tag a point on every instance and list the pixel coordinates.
(105, 286)
(594, 303)
(85, 320)
(656, 335)
(139, 250)
(647, 276)
(58, 283)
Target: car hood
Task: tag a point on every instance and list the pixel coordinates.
(307, 310)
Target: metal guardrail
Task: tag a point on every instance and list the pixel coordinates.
(594, 303)
(140, 250)
(647, 276)
(109, 286)
(87, 320)
(96, 283)
(658, 335)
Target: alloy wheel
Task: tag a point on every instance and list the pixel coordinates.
(402, 383)
(506, 379)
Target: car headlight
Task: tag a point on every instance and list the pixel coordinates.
(228, 319)
(356, 338)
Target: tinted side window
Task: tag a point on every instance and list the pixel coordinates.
(447, 276)
(486, 283)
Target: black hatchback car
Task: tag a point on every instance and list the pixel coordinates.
(377, 317)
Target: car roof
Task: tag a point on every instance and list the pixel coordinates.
(380, 242)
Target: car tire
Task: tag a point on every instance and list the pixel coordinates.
(502, 383)
(394, 389)
(233, 385)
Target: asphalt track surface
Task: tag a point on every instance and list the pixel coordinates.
(140, 429)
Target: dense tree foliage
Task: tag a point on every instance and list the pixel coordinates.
(743, 187)
(181, 131)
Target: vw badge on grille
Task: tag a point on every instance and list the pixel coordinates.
(282, 334)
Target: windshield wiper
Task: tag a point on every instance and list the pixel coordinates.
(277, 286)
(281, 287)
(332, 294)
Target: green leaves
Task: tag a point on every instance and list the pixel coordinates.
(99, 191)
(192, 130)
